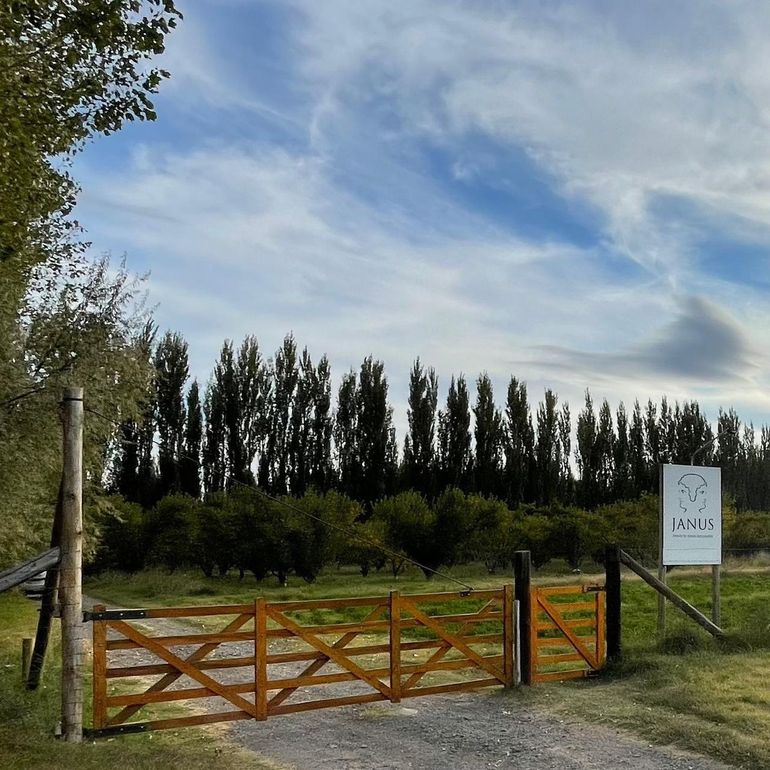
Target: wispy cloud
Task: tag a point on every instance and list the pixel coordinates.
(551, 191)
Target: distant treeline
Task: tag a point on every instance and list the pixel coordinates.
(272, 422)
(242, 531)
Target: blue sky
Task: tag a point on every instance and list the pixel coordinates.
(577, 194)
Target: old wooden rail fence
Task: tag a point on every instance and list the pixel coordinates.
(267, 658)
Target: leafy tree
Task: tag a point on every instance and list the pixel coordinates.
(373, 432)
(621, 457)
(566, 483)
(301, 430)
(190, 464)
(345, 436)
(488, 435)
(419, 444)
(454, 437)
(454, 523)
(490, 538)
(605, 453)
(586, 455)
(171, 373)
(547, 450)
(410, 528)
(639, 467)
(285, 379)
(518, 445)
(321, 471)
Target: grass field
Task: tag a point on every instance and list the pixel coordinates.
(689, 691)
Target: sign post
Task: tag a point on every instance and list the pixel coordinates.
(691, 522)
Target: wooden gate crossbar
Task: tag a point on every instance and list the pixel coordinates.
(566, 627)
(456, 644)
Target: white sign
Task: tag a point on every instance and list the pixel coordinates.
(692, 515)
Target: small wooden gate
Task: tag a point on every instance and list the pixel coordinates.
(567, 632)
(266, 658)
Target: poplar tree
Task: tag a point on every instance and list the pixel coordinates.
(300, 447)
(518, 447)
(190, 463)
(373, 431)
(586, 455)
(621, 455)
(321, 469)
(637, 459)
(285, 378)
(605, 448)
(566, 483)
(419, 444)
(454, 437)
(547, 451)
(345, 436)
(488, 436)
(171, 373)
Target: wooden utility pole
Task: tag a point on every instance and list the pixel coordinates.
(70, 580)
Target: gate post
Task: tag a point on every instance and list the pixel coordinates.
(522, 587)
(70, 583)
(612, 591)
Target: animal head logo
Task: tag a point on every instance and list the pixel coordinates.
(692, 493)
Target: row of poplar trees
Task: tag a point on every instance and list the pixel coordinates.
(271, 422)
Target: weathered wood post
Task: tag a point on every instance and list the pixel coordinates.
(612, 592)
(70, 583)
(522, 586)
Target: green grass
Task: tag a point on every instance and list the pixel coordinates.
(28, 719)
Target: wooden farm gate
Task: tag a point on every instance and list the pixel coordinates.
(272, 658)
(567, 632)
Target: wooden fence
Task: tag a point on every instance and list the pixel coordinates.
(267, 657)
(567, 632)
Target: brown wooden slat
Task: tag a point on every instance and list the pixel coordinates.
(395, 647)
(294, 683)
(453, 596)
(185, 640)
(574, 623)
(349, 700)
(260, 659)
(560, 676)
(198, 719)
(448, 665)
(333, 653)
(99, 670)
(321, 604)
(454, 687)
(601, 622)
(168, 696)
(164, 668)
(182, 665)
(559, 590)
(202, 611)
(569, 607)
(171, 677)
(562, 657)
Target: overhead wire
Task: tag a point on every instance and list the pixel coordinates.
(296, 509)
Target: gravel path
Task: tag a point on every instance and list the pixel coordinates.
(483, 729)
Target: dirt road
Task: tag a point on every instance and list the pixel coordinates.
(487, 729)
